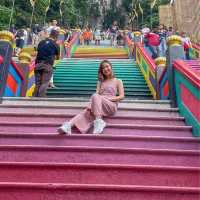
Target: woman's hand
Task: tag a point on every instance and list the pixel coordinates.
(111, 98)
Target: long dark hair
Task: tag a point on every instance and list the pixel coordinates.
(101, 76)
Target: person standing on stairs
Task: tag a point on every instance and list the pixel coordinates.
(48, 50)
(113, 33)
(103, 103)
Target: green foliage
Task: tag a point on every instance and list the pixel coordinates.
(4, 19)
(129, 5)
(74, 12)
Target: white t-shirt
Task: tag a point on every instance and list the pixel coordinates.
(50, 28)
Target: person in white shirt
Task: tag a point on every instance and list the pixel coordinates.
(97, 36)
(53, 26)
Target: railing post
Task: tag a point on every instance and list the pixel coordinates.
(6, 51)
(24, 64)
(160, 68)
(136, 39)
(175, 51)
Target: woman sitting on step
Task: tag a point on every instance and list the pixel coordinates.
(103, 103)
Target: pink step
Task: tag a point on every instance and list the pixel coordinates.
(117, 129)
(16, 191)
(99, 174)
(166, 112)
(60, 118)
(100, 155)
(101, 141)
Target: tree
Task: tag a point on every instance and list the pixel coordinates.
(75, 12)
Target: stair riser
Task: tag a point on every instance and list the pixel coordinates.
(43, 128)
(102, 56)
(79, 102)
(74, 111)
(67, 89)
(72, 86)
(95, 156)
(16, 193)
(76, 70)
(112, 131)
(93, 83)
(91, 175)
(99, 142)
(93, 79)
(108, 120)
(85, 95)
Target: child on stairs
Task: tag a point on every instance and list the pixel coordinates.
(103, 103)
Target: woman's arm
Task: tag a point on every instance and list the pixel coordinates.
(98, 87)
(120, 88)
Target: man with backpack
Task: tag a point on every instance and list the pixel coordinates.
(48, 51)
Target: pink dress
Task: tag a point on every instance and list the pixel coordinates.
(99, 106)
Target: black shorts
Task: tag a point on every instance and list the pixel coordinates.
(20, 43)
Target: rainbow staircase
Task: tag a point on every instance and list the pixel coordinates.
(100, 52)
(145, 152)
(79, 76)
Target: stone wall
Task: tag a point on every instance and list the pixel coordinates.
(184, 16)
(165, 15)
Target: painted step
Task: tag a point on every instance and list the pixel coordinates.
(89, 90)
(102, 52)
(15, 191)
(92, 78)
(114, 129)
(60, 118)
(60, 94)
(77, 82)
(104, 174)
(92, 86)
(122, 68)
(117, 141)
(90, 73)
(99, 155)
(81, 103)
(154, 111)
(101, 56)
(89, 76)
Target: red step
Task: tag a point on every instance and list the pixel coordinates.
(123, 141)
(99, 174)
(101, 155)
(19, 191)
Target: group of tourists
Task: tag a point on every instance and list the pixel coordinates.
(32, 37)
(113, 33)
(155, 41)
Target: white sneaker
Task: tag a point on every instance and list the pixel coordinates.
(66, 128)
(99, 125)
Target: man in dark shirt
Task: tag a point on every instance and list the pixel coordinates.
(48, 50)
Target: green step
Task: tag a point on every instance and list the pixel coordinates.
(69, 88)
(95, 81)
(90, 76)
(79, 77)
(60, 84)
(93, 84)
(96, 66)
(95, 73)
(88, 93)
